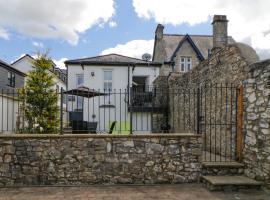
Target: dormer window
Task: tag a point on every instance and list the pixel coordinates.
(185, 64)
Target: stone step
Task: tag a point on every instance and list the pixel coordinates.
(219, 183)
(222, 168)
(232, 164)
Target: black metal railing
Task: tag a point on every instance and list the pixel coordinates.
(210, 110)
(132, 110)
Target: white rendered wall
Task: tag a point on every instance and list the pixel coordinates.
(119, 111)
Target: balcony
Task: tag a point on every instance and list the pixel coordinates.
(145, 102)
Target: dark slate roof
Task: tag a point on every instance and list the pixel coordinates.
(111, 59)
(202, 42)
(9, 67)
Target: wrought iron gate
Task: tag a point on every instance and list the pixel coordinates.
(220, 121)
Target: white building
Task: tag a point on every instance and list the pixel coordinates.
(118, 76)
(25, 65)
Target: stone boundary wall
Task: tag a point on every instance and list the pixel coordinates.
(257, 123)
(99, 159)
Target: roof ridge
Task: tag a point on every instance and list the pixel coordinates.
(128, 57)
(115, 54)
(188, 34)
(10, 67)
(18, 59)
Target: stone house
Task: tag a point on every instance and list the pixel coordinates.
(181, 53)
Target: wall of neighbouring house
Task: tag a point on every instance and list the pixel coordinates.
(257, 122)
(99, 159)
(9, 112)
(19, 80)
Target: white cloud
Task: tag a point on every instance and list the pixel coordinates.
(58, 19)
(134, 48)
(4, 34)
(249, 19)
(263, 53)
(60, 63)
(112, 24)
(38, 44)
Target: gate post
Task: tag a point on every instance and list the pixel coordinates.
(240, 122)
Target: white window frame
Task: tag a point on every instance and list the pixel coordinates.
(108, 98)
(77, 78)
(107, 81)
(79, 100)
(185, 63)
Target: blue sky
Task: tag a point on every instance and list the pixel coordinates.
(113, 23)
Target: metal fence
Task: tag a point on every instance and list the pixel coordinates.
(119, 111)
(210, 110)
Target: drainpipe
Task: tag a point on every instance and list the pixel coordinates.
(129, 104)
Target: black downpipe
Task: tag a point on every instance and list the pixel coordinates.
(129, 103)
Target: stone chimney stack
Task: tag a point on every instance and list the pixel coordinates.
(159, 51)
(159, 32)
(220, 32)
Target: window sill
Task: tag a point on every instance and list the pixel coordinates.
(107, 106)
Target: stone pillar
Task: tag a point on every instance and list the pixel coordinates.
(220, 32)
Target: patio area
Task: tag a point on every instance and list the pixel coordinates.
(157, 192)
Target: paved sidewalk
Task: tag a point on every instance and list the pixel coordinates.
(158, 192)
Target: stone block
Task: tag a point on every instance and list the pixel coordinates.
(7, 158)
(128, 144)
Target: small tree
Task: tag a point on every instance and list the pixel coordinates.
(40, 98)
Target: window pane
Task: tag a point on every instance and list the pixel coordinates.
(108, 75)
(182, 67)
(188, 66)
(79, 102)
(79, 80)
(108, 86)
(105, 86)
